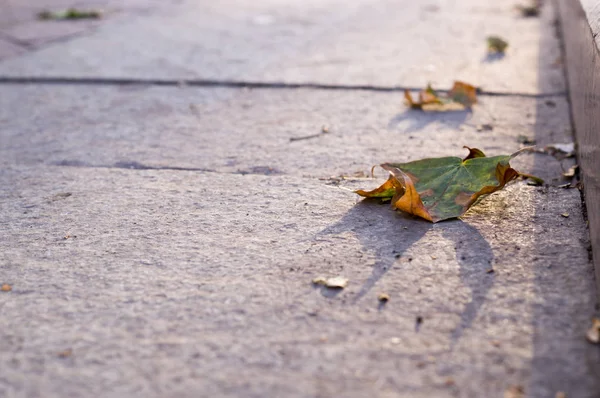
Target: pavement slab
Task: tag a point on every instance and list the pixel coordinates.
(162, 282)
(389, 43)
(249, 131)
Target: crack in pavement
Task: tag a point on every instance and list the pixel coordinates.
(133, 165)
(108, 81)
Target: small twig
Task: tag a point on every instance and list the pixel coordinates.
(324, 130)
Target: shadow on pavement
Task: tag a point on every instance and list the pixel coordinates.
(389, 234)
(419, 120)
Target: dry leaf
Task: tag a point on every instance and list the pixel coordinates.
(461, 96)
(437, 189)
(337, 282)
(496, 44)
(593, 333)
(6, 287)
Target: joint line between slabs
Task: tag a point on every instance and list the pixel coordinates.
(239, 84)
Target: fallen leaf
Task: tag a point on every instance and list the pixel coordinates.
(593, 333)
(437, 189)
(6, 287)
(70, 14)
(565, 215)
(383, 297)
(496, 44)
(461, 96)
(337, 282)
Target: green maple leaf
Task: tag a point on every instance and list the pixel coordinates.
(437, 189)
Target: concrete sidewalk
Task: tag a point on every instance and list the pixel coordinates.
(161, 241)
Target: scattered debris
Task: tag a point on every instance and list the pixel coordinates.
(59, 196)
(69, 14)
(533, 180)
(496, 44)
(336, 180)
(567, 149)
(336, 282)
(567, 186)
(593, 333)
(6, 287)
(559, 151)
(66, 353)
(571, 172)
(514, 392)
(565, 215)
(324, 130)
(530, 10)
(383, 297)
(523, 139)
(484, 127)
(433, 188)
(460, 97)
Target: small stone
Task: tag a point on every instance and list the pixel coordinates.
(565, 215)
(395, 340)
(514, 392)
(337, 282)
(383, 297)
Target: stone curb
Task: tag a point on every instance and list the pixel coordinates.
(579, 23)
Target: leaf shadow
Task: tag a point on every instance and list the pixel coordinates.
(419, 120)
(388, 234)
